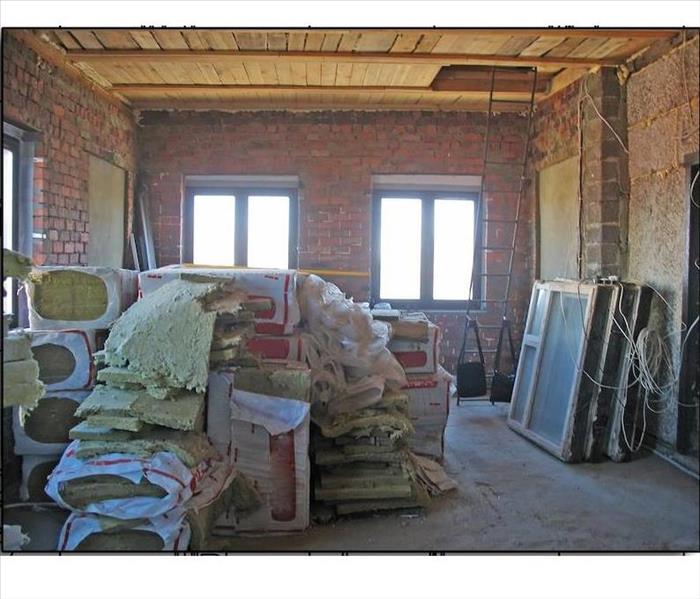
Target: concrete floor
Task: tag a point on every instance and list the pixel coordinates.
(513, 496)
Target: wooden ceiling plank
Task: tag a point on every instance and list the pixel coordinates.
(586, 47)
(209, 73)
(515, 45)
(115, 39)
(357, 75)
(66, 39)
(219, 40)
(445, 44)
(313, 42)
(565, 48)
(248, 40)
(427, 42)
(343, 74)
(116, 56)
(144, 39)
(253, 72)
(170, 40)
(608, 47)
(406, 42)
(542, 45)
(380, 41)
(387, 73)
(195, 40)
(331, 42)
(86, 39)
(284, 73)
(372, 75)
(313, 73)
(277, 41)
(298, 70)
(295, 40)
(269, 73)
(348, 41)
(328, 73)
(561, 80)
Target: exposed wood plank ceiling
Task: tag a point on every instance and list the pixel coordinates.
(427, 69)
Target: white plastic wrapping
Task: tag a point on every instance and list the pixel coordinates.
(172, 528)
(81, 345)
(122, 291)
(279, 286)
(429, 409)
(163, 469)
(346, 349)
(418, 356)
(27, 445)
(267, 440)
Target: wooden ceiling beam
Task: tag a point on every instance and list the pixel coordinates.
(229, 56)
(578, 32)
(229, 106)
(162, 88)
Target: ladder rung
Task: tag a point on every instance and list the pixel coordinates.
(492, 301)
(505, 101)
(476, 351)
(498, 220)
(493, 274)
(497, 247)
(502, 163)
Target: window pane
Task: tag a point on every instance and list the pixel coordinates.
(213, 230)
(558, 366)
(454, 249)
(268, 231)
(400, 248)
(7, 218)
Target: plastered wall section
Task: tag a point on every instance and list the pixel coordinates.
(663, 120)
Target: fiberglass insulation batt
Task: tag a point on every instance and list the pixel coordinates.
(79, 297)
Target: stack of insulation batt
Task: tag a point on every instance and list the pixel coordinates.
(69, 310)
(360, 449)
(415, 342)
(20, 382)
(362, 459)
(258, 396)
(140, 473)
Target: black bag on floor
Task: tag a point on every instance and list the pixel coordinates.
(502, 384)
(471, 375)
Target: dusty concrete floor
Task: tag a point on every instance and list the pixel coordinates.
(514, 496)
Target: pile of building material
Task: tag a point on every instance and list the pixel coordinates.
(70, 309)
(415, 343)
(258, 397)
(361, 447)
(140, 473)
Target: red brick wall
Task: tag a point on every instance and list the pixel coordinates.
(74, 122)
(334, 154)
(555, 128)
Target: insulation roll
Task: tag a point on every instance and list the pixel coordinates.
(44, 429)
(65, 358)
(79, 297)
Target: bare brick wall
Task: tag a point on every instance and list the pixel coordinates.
(334, 154)
(74, 122)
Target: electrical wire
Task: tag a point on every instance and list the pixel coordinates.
(600, 116)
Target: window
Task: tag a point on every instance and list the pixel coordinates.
(423, 249)
(10, 167)
(17, 205)
(226, 226)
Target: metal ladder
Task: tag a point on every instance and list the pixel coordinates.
(482, 216)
